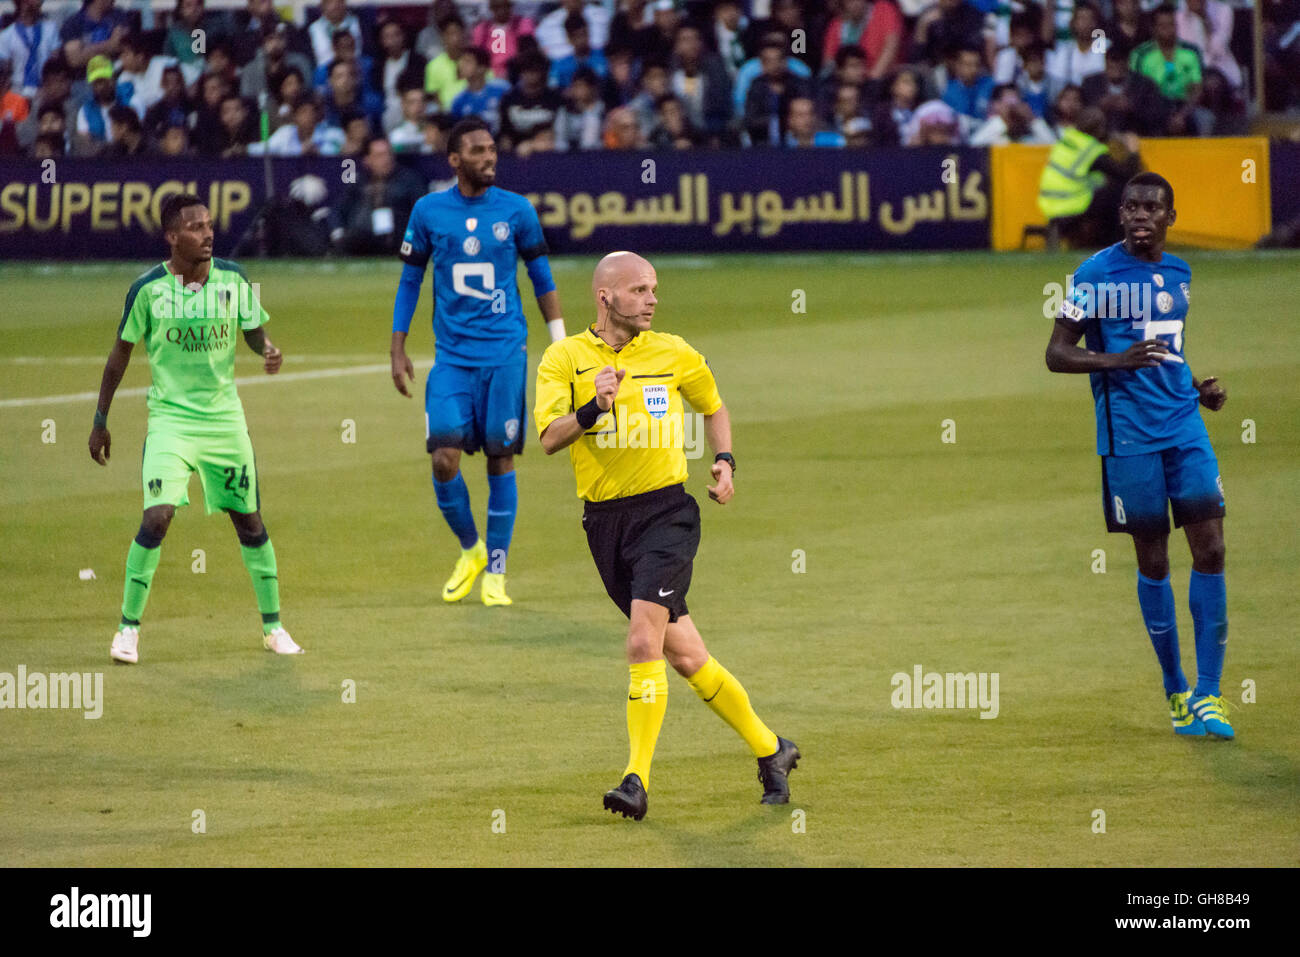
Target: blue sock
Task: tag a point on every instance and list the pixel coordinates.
(503, 499)
(453, 500)
(1207, 596)
(1156, 599)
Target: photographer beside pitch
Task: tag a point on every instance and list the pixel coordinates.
(642, 526)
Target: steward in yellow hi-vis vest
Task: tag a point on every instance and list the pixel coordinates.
(613, 395)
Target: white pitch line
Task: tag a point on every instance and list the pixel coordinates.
(240, 381)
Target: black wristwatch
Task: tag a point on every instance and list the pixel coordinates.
(726, 457)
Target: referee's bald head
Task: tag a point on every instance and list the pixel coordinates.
(623, 286)
(616, 270)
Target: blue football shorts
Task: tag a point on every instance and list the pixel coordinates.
(476, 408)
(1139, 490)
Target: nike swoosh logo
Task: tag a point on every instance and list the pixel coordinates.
(665, 594)
(581, 371)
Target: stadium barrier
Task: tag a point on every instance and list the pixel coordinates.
(1221, 189)
(588, 203)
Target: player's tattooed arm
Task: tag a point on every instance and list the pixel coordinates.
(1213, 395)
(259, 343)
(1065, 355)
(100, 440)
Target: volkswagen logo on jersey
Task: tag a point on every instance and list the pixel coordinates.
(1164, 301)
(471, 245)
(501, 231)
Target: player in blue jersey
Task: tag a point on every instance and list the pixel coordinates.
(1129, 302)
(474, 397)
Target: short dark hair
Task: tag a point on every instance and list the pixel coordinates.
(172, 206)
(51, 108)
(1151, 179)
(1164, 8)
(479, 54)
(124, 115)
(466, 126)
(846, 53)
(53, 140)
(575, 22)
(55, 65)
(136, 42)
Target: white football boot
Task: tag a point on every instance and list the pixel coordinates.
(278, 640)
(126, 645)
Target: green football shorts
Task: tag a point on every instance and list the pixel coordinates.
(224, 462)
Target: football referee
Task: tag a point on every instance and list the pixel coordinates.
(612, 395)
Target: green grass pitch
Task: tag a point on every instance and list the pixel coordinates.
(971, 556)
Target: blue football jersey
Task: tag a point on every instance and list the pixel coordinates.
(476, 244)
(1118, 300)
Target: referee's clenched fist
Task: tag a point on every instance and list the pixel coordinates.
(607, 383)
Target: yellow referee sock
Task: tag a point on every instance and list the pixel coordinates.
(647, 701)
(720, 690)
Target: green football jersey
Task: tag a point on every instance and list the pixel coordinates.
(191, 336)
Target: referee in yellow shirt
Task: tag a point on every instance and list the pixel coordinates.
(612, 395)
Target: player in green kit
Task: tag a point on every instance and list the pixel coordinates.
(187, 312)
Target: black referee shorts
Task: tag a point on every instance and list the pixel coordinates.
(644, 547)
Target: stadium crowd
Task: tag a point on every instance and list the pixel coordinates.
(626, 74)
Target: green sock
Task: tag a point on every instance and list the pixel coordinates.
(260, 562)
(141, 563)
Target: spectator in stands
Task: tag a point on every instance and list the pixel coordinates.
(1081, 184)
(356, 133)
(876, 28)
(934, 123)
(442, 76)
(699, 79)
(1066, 109)
(1131, 102)
(286, 86)
(248, 27)
(553, 39)
(770, 93)
(482, 94)
(14, 109)
(127, 139)
(52, 121)
(93, 132)
(850, 70)
(893, 115)
(672, 129)
(857, 133)
(190, 22)
(622, 131)
(346, 94)
(1207, 25)
(172, 107)
(1220, 110)
(221, 61)
(1010, 120)
(752, 67)
(272, 59)
(334, 16)
(652, 85)
(801, 125)
(1281, 54)
(408, 135)
(1129, 27)
(542, 141)
(345, 48)
(55, 91)
(174, 138)
(97, 29)
(428, 43)
(618, 86)
(205, 125)
(969, 89)
(1173, 66)
(397, 60)
(370, 215)
(238, 127)
(139, 82)
(633, 28)
(1034, 84)
(948, 25)
(307, 135)
(28, 43)
(499, 34)
(580, 122)
(847, 107)
(1009, 64)
(436, 129)
(530, 104)
(563, 69)
(1082, 54)
(729, 27)
(48, 146)
(788, 16)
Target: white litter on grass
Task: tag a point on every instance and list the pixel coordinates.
(87, 574)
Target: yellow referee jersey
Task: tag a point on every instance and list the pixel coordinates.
(639, 445)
